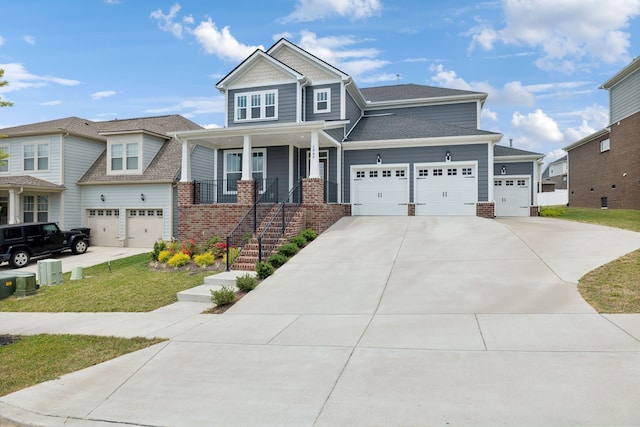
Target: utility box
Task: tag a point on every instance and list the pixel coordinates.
(49, 272)
(25, 284)
(7, 285)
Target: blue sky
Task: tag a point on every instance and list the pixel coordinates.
(540, 61)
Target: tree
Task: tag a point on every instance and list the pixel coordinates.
(2, 84)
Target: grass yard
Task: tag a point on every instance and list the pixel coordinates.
(614, 287)
(35, 359)
(130, 286)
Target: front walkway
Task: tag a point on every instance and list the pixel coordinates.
(381, 321)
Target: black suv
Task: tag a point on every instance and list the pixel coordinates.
(20, 242)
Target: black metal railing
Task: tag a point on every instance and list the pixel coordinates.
(277, 224)
(265, 196)
(225, 190)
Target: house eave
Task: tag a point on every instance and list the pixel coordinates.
(417, 142)
(134, 131)
(622, 74)
(586, 139)
(524, 158)
(128, 182)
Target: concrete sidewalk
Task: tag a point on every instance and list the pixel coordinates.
(381, 321)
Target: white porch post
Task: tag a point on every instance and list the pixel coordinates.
(314, 158)
(247, 157)
(185, 174)
(490, 173)
(12, 206)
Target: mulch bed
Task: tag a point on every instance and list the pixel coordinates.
(219, 309)
(192, 268)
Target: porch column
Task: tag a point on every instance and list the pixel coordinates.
(11, 206)
(314, 157)
(185, 174)
(247, 158)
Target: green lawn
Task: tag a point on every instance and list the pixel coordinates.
(130, 285)
(614, 287)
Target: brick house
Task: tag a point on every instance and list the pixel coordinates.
(604, 167)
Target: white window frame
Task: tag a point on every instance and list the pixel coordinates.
(36, 156)
(225, 171)
(125, 157)
(38, 205)
(5, 148)
(262, 97)
(605, 145)
(316, 101)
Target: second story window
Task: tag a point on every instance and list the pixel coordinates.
(322, 100)
(35, 157)
(604, 145)
(4, 163)
(124, 157)
(256, 106)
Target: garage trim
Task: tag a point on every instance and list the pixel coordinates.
(403, 206)
(524, 210)
(465, 208)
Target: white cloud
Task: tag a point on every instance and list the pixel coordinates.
(191, 107)
(211, 126)
(552, 156)
(19, 78)
(1, 40)
(536, 128)
(112, 1)
(594, 118)
(378, 78)
(102, 94)
(168, 23)
(568, 32)
(51, 103)
(221, 43)
(486, 113)
(311, 10)
(29, 39)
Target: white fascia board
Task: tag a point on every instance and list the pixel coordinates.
(622, 74)
(518, 159)
(258, 55)
(455, 99)
(299, 51)
(417, 142)
(586, 139)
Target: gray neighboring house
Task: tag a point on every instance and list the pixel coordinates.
(116, 177)
(556, 172)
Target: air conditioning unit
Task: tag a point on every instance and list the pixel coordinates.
(49, 272)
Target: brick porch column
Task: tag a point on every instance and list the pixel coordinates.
(185, 194)
(312, 191)
(246, 194)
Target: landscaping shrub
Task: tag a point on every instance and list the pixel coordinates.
(299, 241)
(211, 242)
(190, 248)
(233, 254)
(157, 248)
(218, 249)
(552, 211)
(246, 237)
(223, 296)
(203, 260)
(164, 256)
(308, 234)
(277, 260)
(288, 249)
(263, 270)
(246, 283)
(178, 260)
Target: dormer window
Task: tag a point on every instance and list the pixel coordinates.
(124, 158)
(256, 106)
(322, 100)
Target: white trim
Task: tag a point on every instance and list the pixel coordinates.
(263, 105)
(417, 142)
(343, 101)
(444, 166)
(316, 92)
(490, 173)
(291, 161)
(339, 172)
(531, 187)
(354, 168)
(124, 170)
(35, 157)
(322, 154)
(8, 159)
(253, 150)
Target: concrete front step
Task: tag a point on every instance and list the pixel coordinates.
(202, 293)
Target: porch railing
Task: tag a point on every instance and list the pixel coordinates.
(276, 225)
(225, 190)
(265, 196)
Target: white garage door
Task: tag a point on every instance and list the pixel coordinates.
(446, 188)
(380, 190)
(512, 195)
(105, 227)
(144, 227)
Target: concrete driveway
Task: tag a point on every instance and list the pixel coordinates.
(381, 321)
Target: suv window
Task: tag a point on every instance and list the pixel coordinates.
(33, 230)
(49, 229)
(12, 233)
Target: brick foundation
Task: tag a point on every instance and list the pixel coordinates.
(534, 211)
(412, 209)
(246, 192)
(312, 191)
(486, 209)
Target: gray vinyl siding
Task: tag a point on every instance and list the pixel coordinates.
(127, 196)
(353, 113)
(278, 167)
(79, 156)
(334, 114)
(333, 164)
(624, 97)
(202, 159)
(286, 104)
(150, 147)
(515, 168)
(413, 155)
(464, 115)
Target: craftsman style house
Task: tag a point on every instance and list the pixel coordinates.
(604, 169)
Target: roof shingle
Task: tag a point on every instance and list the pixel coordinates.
(410, 91)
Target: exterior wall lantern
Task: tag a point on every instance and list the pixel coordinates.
(503, 170)
(142, 196)
(447, 157)
(102, 197)
(378, 159)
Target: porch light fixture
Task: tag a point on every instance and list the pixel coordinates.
(142, 196)
(102, 197)
(378, 159)
(447, 157)
(503, 170)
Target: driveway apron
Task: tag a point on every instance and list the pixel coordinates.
(386, 321)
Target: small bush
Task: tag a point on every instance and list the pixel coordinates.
(277, 260)
(164, 256)
(246, 237)
(157, 248)
(212, 241)
(246, 283)
(552, 211)
(263, 270)
(223, 296)
(308, 234)
(203, 260)
(178, 260)
(288, 249)
(190, 248)
(233, 254)
(299, 241)
(218, 249)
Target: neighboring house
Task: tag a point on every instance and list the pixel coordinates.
(392, 150)
(556, 172)
(603, 167)
(117, 177)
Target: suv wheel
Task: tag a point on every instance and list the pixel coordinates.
(19, 258)
(80, 246)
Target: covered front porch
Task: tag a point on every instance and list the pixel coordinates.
(24, 198)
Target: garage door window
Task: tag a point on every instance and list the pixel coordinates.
(423, 172)
(452, 172)
(437, 172)
(508, 182)
(360, 174)
(373, 174)
(497, 183)
(521, 182)
(400, 173)
(466, 171)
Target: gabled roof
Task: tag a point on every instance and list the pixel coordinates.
(73, 125)
(282, 43)
(164, 167)
(412, 91)
(504, 151)
(257, 55)
(622, 74)
(394, 126)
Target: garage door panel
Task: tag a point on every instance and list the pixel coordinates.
(105, 227)
(512, 196)
(446, 189)
(144, 227)
(380, 190)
